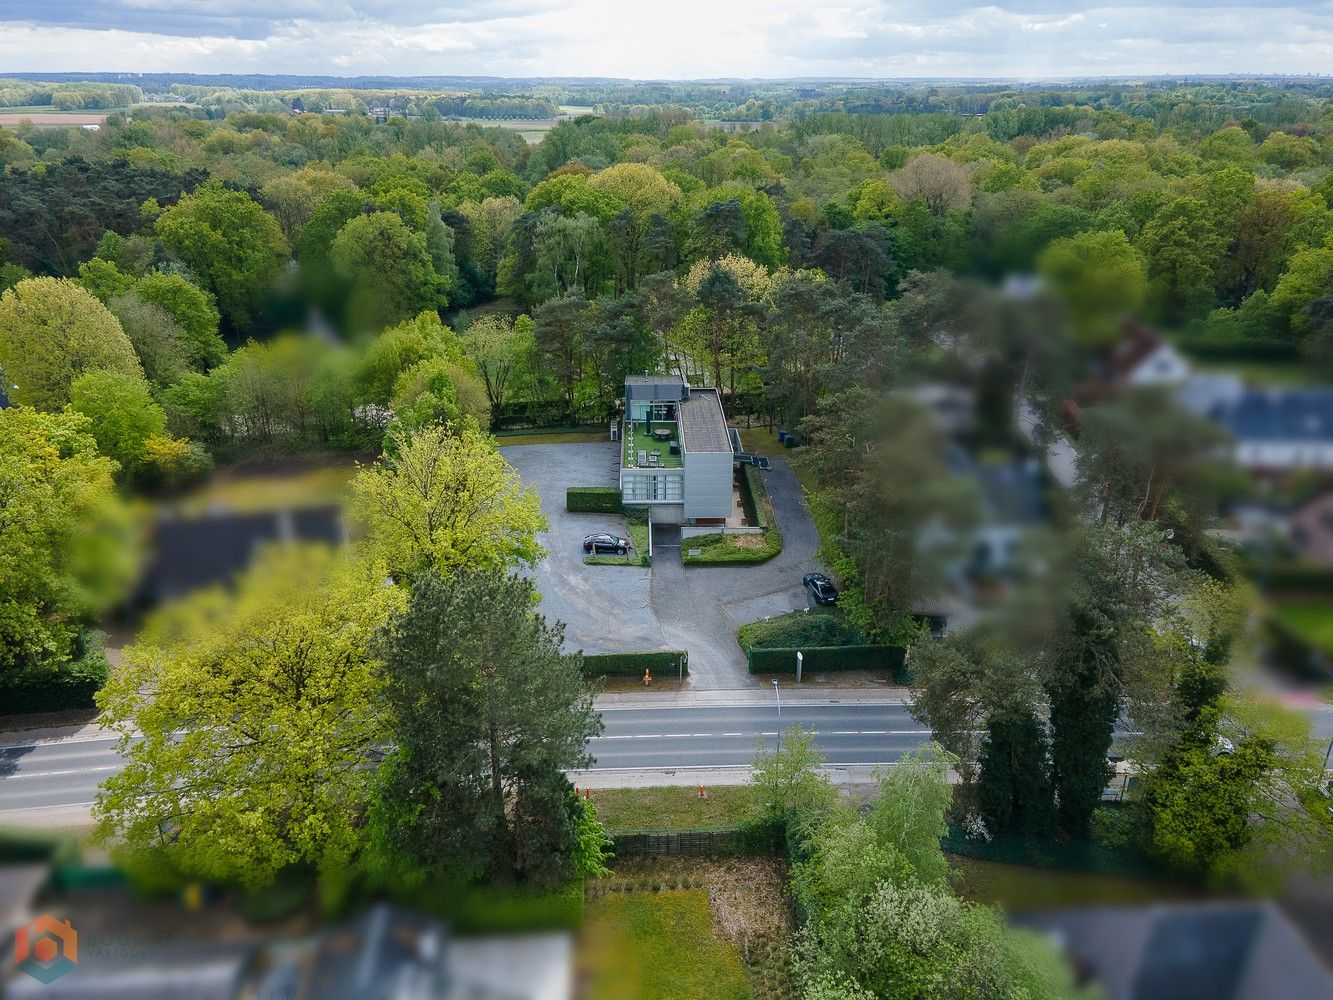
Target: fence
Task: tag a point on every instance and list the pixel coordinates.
(686, 843)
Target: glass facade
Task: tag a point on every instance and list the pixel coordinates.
(652, 487)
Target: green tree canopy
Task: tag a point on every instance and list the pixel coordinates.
(233, 246)
(51, 332)
(64, 536)
(248, 719)
(440, 500)
(489, 713)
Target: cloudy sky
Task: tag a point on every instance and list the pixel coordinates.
(673, 39)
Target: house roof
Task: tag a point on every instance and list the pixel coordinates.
(654, 380)
(1137, 345)
(1303, 415)
(1205, 951)
(206, 551)
(702, 424)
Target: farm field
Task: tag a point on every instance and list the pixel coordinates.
(48, 116)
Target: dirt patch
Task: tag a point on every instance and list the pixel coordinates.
(749, 900)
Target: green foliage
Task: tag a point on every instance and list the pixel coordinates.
(56, 686)
(192, 309)
(799, 629)
(718, 549)
(591, 844)
(226, 798)
(1102, 278)
(51, 332)
(789, 784)
(661, 662)
(64, 538)
(388, 268)
(440, 500)
(821, 658)
(233, 246)
(488, 714)
(593, 499)
(121, 414)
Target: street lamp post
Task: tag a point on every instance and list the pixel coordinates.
(779, 698)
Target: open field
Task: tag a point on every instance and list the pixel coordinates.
(10, 117)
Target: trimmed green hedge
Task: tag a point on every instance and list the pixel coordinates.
(664, 661)
(1239, 349)
(55, 689)
(1295, 651)
(817, 627)
(752, 482)
(593, 499)
(1290, 576)
(824, 658)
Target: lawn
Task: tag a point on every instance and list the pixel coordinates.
(719, 549)
(574, 436)
(657, 946)
(253, 493)
(1020, 887)
(627, 809)
(1312, 620)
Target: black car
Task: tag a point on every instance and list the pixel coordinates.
(606, 545)
(820, 588)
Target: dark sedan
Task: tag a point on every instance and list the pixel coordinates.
(820, 588)
(606, 545)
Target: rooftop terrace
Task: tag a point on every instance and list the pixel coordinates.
(651, 438)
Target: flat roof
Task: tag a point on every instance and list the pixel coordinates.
(654, 380)
(702, 424)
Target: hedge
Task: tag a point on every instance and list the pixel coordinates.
(55, 689)
(659, 661)
(1288, 575)
(799, 629)
(1295, 651)
(1240, 349)
(593, 500)
(716, 550)
(822, 658)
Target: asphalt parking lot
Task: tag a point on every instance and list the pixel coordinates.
(619, 608)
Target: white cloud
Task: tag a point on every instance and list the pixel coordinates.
(681, 39)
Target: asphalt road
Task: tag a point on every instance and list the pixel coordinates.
(65, 774)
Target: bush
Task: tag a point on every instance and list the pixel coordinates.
(800, 629)
(593, 500)
(822, 658)
(718, 549)
(665, 661)
(754, 497)
(56, 688)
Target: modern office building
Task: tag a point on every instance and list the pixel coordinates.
(678, 453)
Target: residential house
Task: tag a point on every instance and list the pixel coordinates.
(1197, 951)
(1275, 429)
(678, 454)
(1143, 357)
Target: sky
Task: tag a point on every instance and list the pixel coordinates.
(677, 39)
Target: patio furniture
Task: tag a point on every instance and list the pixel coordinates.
(654, 459)
(643, 458)
(662, 433)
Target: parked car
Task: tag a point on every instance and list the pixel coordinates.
(820, 588)
(604, 544)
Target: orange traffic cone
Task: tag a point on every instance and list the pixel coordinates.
(702, 793)
(647, 678)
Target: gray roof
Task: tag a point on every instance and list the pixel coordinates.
(654, 380)
(702, 425)
(1205, 951)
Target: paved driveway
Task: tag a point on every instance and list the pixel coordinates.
(604, 608)
(611, 608)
